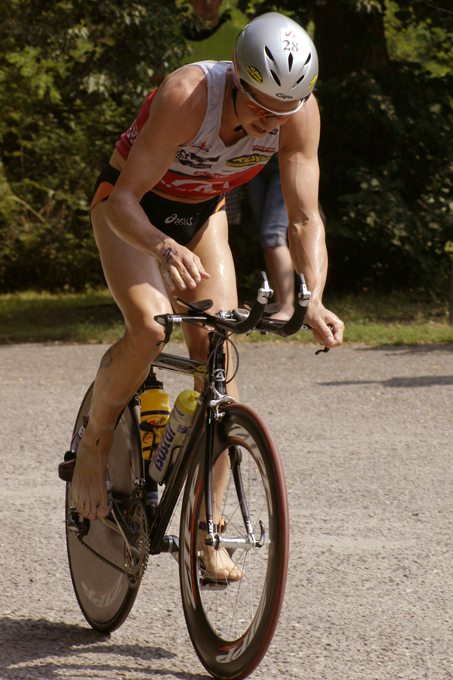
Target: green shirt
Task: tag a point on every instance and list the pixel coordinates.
(219, 46)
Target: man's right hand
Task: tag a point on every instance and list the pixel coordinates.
(180, 267)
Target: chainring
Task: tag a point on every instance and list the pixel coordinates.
(135, 566)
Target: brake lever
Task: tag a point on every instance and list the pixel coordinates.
(324, 349)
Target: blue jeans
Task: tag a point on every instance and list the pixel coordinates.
(268, 206)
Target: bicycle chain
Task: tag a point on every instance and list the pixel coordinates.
(136, 514)
(133, 573)
(100, 557)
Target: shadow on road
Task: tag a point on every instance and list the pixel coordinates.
(421, 381)
(407, 349)
(27, 644)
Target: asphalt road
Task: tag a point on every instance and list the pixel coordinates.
(365, 435)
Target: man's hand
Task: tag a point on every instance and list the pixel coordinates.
(319, 318)
(179, 266)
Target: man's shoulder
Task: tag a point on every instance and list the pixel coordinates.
(185, 86)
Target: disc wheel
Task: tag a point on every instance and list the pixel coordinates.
(231, 623)
(104, 576)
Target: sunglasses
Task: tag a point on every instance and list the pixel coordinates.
(263, 112)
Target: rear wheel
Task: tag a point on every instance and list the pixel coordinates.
(104, 576)
(232, 623)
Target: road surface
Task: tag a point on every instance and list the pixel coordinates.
(365, 435)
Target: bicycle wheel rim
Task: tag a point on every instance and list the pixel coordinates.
(103, 592)
(231, 629)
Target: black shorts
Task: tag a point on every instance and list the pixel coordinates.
(180, 221)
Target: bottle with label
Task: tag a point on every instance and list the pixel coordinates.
(154, 414)
(174, 434)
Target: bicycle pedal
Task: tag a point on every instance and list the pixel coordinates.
(66, 469)
(77, 523)
(210, 582)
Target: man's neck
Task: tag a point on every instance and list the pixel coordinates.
(230, 129)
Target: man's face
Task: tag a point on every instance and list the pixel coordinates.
(256, 120)
(207, 9)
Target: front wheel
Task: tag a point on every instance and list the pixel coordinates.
(231, 623)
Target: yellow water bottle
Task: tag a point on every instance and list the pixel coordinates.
(174, 434)
(154, 414)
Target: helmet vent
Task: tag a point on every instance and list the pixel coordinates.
(290, 61)
(276, 78)
(308, 59)
(298, 81)
(269, 53)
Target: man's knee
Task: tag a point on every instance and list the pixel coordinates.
(144, 341)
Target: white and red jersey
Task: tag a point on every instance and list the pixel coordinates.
(206, 167)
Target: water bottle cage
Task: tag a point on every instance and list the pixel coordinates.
(150, 427)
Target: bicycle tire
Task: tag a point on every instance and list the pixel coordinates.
(252, 605)
(105, 594)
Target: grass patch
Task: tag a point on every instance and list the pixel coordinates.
(64, 317)
(93, 317)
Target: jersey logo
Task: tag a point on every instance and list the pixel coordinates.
(194, 161)
(243, 161)
(256, 75)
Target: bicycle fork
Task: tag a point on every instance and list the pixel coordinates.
(214, 538)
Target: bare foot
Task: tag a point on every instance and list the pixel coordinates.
(219, 563)
(284, 314)
(88, 488)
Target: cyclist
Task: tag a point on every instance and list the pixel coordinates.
(159, 220)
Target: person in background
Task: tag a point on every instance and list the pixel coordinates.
(214, 40)
(269, 211)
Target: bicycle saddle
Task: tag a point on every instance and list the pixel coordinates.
(200, 306)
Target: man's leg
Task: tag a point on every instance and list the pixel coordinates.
(211, 246)
(281, 275)
(137, 287)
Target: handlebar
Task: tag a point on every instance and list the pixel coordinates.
(240, 321)
(296, 322)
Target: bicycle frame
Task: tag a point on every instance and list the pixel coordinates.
(213, 397)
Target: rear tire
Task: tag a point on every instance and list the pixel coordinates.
(232, 624)
(105, 594)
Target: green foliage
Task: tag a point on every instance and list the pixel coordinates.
(390, 200)
(73, 75)
(425, 39)
(72, 78)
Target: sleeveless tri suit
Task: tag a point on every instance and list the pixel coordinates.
(205, 168)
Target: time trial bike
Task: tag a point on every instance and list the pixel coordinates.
(231, 622)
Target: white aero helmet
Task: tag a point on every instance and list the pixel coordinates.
(277, 57)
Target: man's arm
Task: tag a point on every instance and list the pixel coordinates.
(176, 114)
(299, 171)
